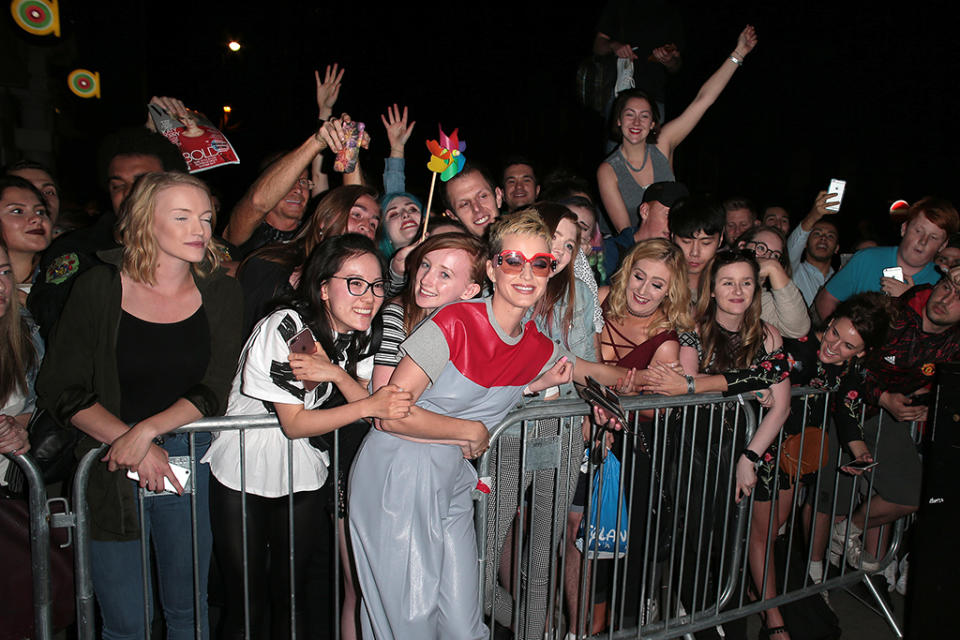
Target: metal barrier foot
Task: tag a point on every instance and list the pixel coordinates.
(884, 607)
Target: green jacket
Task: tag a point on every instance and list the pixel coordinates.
(80, 369)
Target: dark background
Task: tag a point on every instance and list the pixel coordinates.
(849, 90)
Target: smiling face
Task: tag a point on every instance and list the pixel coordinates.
(636, 120)
(647, 286)
(24, 221)
(364, 217)
(520, 186)
(734, 288)
(401, 220)
(444, 276)
(698, 250)
(521, 290)
(44, 183)
(474, 202)
(565, 243)
(182, 223)
(841, 341)
(346, 311)
(921, 241)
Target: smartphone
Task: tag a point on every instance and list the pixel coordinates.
(182, 473)
(893, 272)
(836, 189)
(862, 466)
(303, 342)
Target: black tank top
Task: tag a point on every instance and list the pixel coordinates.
(159, 362)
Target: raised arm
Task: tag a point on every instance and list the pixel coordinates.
(277, 181)
(676, 130)
(398, 133)
(611, 198)
(328, 90)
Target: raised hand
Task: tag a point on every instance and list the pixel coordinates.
(331, 135)
(328, 90)
(746, 41)
(173, 106)
(398, 131)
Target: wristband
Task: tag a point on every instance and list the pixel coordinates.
(737, 61)
(691, 385)
(750, 455)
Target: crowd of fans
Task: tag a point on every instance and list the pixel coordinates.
(411, 349)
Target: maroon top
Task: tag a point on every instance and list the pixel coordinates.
(631, 355)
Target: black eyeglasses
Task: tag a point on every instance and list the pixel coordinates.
(763, 251)
(359, 286)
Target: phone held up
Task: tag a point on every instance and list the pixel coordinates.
(836, 189)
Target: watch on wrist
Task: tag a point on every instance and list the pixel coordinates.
(750, 455)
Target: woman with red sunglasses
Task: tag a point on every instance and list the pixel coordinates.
(411, 513)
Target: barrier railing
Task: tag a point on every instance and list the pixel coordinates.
(40, 518)
(685, 565)
(694, 558)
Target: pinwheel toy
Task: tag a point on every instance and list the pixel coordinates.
(446, 160)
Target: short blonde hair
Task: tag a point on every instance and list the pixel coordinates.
(675, 306)
(135, 226)
(525, 222)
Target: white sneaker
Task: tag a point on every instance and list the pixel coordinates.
(902, 581)
(890, 574)
(839, 540)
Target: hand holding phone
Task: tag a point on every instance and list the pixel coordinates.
(304, 343)
(836, 189)
(182, 474)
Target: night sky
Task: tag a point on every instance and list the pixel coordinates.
(859, 91)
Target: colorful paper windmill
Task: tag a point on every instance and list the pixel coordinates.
(446, 155)
(446, 159)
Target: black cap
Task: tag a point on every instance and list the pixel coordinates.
(666, 193)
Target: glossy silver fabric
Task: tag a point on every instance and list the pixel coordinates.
(411, 522)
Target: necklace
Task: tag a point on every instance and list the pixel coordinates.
(646, 156)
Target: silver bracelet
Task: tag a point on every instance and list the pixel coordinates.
(691, 385)
(736, 60)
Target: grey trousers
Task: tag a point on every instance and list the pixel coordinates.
(414, 543)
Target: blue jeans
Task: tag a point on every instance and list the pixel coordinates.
(117, 571)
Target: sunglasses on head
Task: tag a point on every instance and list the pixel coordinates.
(511, 263)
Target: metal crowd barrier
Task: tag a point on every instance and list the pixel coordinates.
(685, 565)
